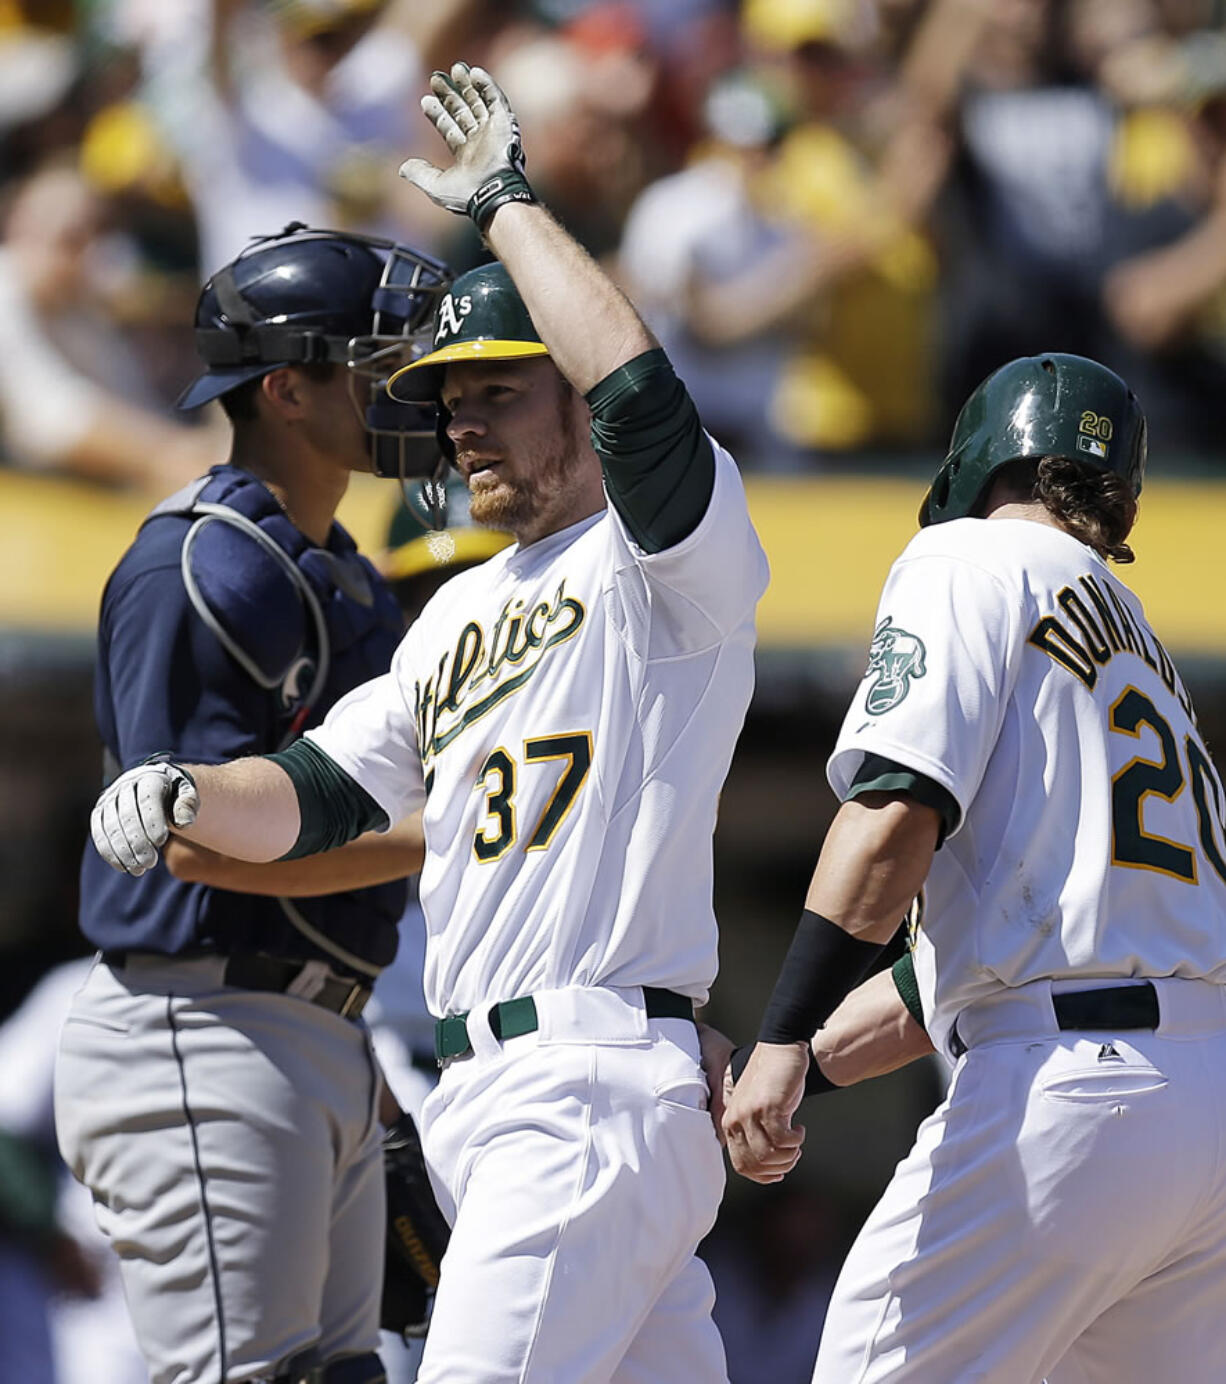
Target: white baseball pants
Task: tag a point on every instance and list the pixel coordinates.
(580, 1168)
(1062, 1214)
(230, 1141)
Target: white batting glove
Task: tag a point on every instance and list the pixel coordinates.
(132, 818)
(478, 125)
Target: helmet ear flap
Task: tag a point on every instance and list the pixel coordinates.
(939, 497)
(938, 494)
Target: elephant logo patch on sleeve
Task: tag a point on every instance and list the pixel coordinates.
(896, 657)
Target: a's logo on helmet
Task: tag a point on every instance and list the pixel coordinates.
(896, 657)
(451, 315)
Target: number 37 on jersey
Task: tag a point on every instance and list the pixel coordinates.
(567, 756)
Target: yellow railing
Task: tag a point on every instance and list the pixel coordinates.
(830, 541)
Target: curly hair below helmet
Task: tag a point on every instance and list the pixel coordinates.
(1097, 507)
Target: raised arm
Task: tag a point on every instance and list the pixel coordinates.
(658, 463)
(553, 273)
(588, 324)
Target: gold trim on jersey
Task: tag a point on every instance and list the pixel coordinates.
(499, 805)
(574, 747)
(1201, 772)
(1096, 626)
(458, 693)
(1132, 846)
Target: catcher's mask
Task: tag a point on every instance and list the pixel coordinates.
(313, 296)
(1039, 406)
(480, 317)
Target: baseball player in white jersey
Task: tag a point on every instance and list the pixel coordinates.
(564, 716)
(1022, 754)
(419, 559)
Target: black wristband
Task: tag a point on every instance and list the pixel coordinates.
(165, 757)
(823, 964)
(817, 1083)
(507, 185)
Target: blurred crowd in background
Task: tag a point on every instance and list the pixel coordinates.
(837, 215)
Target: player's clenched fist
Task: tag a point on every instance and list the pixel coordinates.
(133, 817)
(763, 1144)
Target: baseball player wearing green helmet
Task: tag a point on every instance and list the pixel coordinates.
(563, 716)
(1021, 755)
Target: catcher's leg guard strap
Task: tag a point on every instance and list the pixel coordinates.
(352, 1369)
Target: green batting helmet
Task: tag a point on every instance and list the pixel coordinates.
(480, 317)
(1052, 405)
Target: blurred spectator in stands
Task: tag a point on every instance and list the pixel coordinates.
(295, 111)
(41, 87)
(862, 272)
(774, 1267)
(696, 42)
(1165, 294)
(582, 93)
(1072, 155)
(811, 292)
(62, 1315)
(73, 397)
(1026, 210)
(698, 229)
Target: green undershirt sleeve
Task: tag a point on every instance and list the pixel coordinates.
(880, 775)
(907, 986)
(334, 807)
(658, 463)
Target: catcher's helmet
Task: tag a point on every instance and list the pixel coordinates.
(1038, 406)
(313, 296)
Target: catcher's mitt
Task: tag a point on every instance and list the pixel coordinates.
(417, 1234)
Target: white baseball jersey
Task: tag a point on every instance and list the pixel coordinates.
(1010, 666)
(565, 715)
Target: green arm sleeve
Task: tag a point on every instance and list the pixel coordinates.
(907, 986)
(658, 464)
(334, 808)
(880, 775)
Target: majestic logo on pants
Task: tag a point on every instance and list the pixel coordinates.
(896, 657)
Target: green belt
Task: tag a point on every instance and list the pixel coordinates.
(512, 1018)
